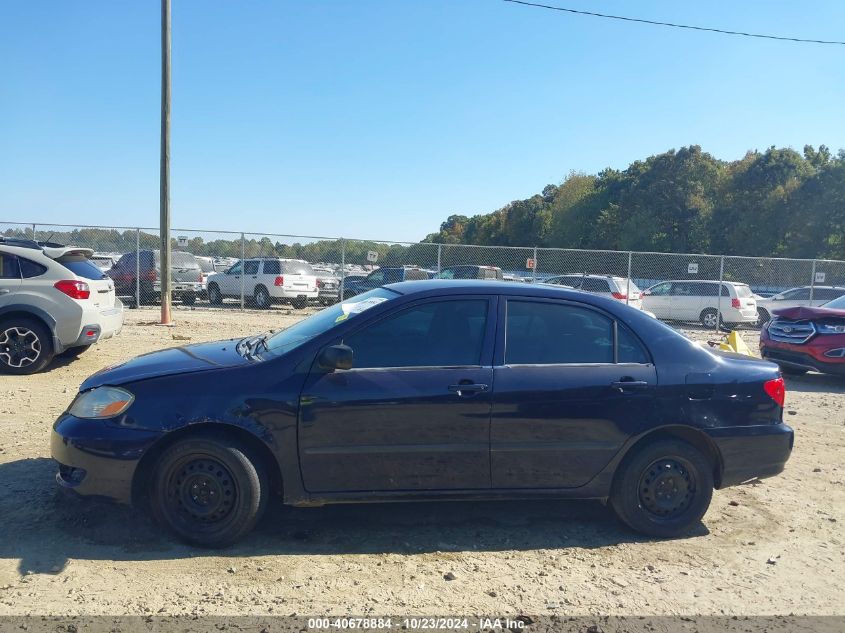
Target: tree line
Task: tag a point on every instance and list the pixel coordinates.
(776, 203)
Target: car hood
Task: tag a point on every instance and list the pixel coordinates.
(804, 312)
(176, 360)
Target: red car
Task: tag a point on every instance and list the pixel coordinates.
(806, 339)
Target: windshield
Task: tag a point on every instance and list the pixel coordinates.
(294, 336)
(836, 304)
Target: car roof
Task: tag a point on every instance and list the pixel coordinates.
(488, 286)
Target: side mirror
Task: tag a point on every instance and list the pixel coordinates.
(335, 357)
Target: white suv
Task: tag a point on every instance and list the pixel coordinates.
(53, 300)
(690, 300)
(266, 280)
(606, 285)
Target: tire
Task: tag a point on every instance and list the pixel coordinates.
(189, 299)
(708, 318)
(26, 346)
(649, 472)
(299, 304)
(208, 490)
(261, 298)
(763, 316)
(73, 352)
(215, 297)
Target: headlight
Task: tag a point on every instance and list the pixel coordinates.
(830, 328)
(101, 402)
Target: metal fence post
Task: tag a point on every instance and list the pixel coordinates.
(628, 288)
(812, 282)
(243, 268)
(342, 267)
(439, 251)
(534, 267)
(719, 301)
(137, 268)
(33, 232)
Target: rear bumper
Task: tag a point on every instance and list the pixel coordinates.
(96, 459)
(293, 293)
(95, 324)
(750, 452)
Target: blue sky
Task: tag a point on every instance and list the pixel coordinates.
(378, 119)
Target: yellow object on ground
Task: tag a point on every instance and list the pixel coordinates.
(734, 343)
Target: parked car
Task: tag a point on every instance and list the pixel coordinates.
(796, 297)
(103, 261)
(802, 339)
(266, 280)
(53, 301)
(328, 287)
(206, 269)
(429, 390)
(470, 272)
(686, 300)
(185, 277)
(381, 277)
(605, 285)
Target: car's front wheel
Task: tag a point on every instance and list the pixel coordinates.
(663, 489)
(26, 346)
(209, 490)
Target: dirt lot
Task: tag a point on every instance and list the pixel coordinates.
(771, 547)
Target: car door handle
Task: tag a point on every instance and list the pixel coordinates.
(622, 385)
(468, 389)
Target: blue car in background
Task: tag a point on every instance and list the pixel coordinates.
(383, 276)
(436, 389)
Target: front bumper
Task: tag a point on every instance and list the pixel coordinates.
(752, 452)
(97, 459)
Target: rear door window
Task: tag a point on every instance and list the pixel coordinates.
(9, 268)
(595, 285)
(251, 267)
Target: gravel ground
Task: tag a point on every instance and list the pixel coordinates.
(770, 547)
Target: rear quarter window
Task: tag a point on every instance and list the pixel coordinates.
(30, 268)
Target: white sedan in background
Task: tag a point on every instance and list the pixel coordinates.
(795, 298)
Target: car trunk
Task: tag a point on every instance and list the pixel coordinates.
(298, 277)
(100, 284)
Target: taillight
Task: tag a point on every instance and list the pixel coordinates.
(320, 284)
(199, 279)
(73, 289)
(776, 390)
(280, 281)
(149, 275)
(620, 295)
(735, 303)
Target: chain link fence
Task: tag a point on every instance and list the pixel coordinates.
(226, 269)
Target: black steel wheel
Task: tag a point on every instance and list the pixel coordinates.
(208, 490)
(663, 488)
(26, 346)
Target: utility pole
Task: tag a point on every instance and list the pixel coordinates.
(164, 201)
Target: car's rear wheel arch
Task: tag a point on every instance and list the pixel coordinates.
(257, 448)
(692, 436)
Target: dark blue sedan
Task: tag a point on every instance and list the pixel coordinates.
(429, 390)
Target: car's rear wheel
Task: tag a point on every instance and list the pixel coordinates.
(261, 298)
(763, 316)
(26, 346)
(189, 298)
(299, 304)
(210, 491)
(215, 297)
(709, 318)
(663, 489)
